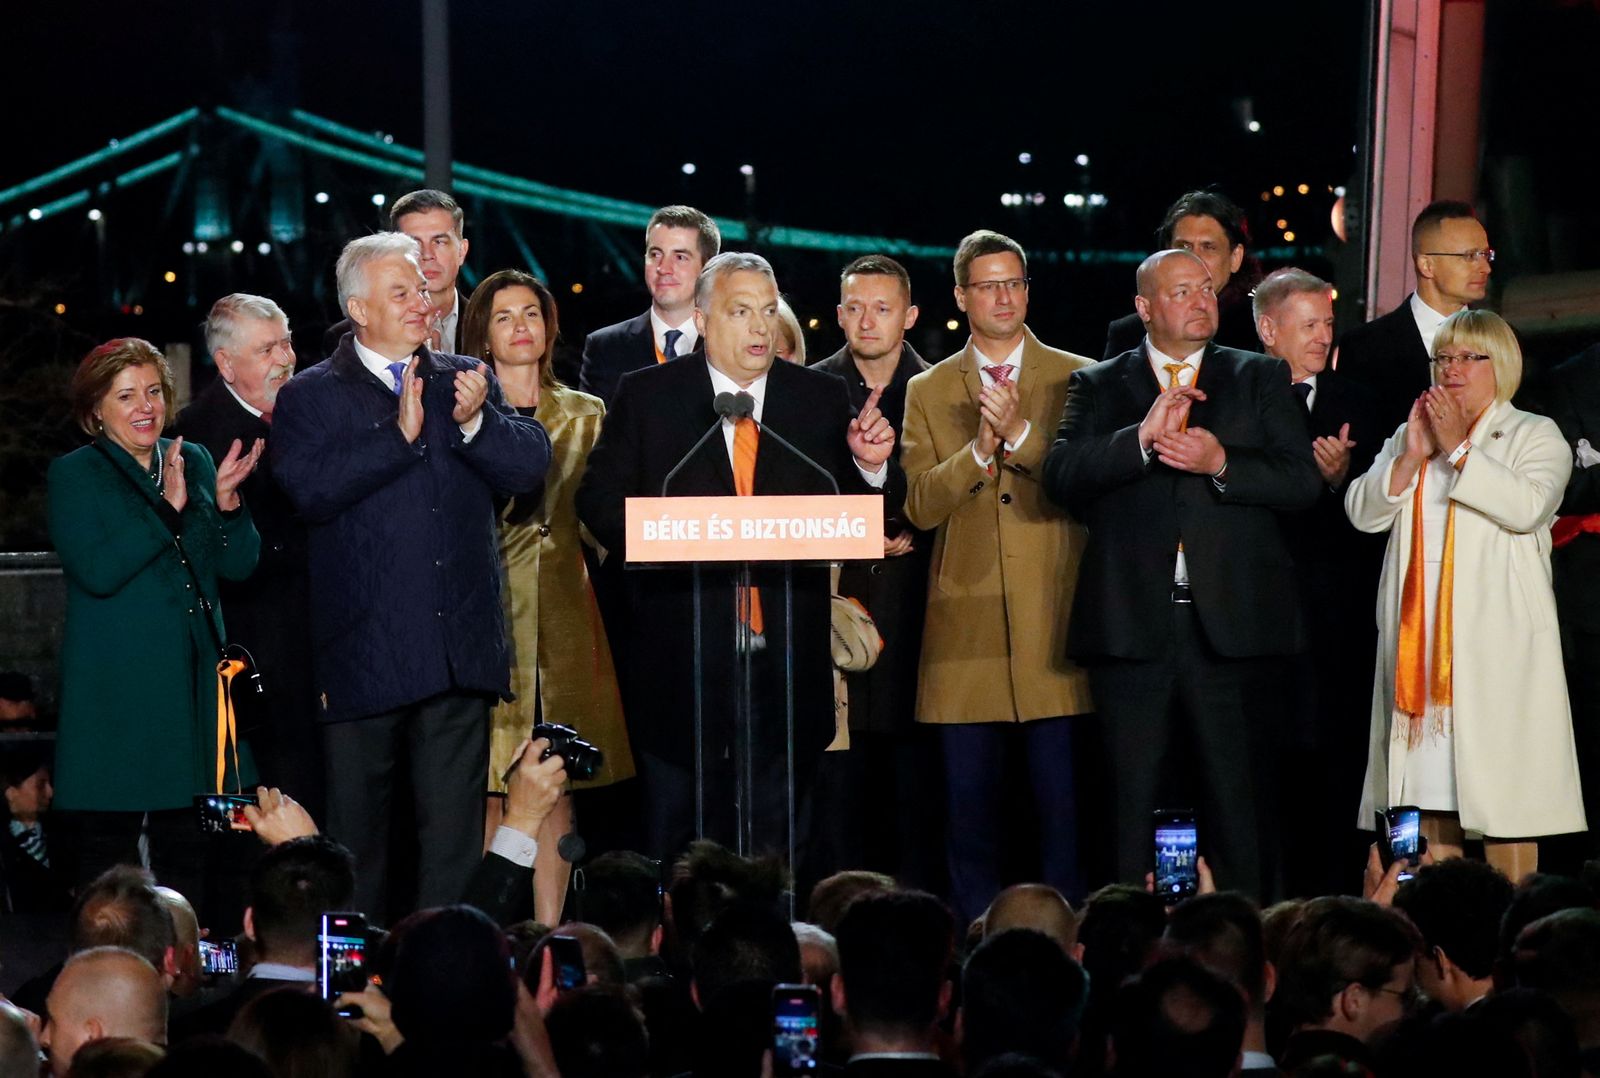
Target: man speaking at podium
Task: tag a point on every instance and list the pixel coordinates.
(657, 417)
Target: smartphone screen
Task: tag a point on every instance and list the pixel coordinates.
(1405, 836)
(566, 957)
(218, 958)
(796, 1017)
(221, 813)
(341, 954)
(1177, 846)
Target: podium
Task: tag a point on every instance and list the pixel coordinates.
(674, 533)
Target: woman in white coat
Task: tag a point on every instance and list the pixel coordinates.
(1470, 720)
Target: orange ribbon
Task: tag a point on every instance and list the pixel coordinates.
(1413, 688)
(227, 723)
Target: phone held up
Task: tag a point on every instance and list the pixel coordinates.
(219, 814)
(566, 959)
(1177, 850)
(219, 959)
(796, 1029)
(1400, 838)
(342, 958)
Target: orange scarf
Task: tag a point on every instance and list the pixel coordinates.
(227, 724)
(1412, 688)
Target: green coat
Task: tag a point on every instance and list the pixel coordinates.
(138, 665)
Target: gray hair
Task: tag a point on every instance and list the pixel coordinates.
(222, 324)
(360, 253)
(1280, 284)
(724, 264)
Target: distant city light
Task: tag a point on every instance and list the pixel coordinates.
(1073, 200)
(1334, 294)
(1304, 189)
(952, 325)
(237, 246)
(138, 308)
(1288, 237)
(378, 200)
(1278, 190)
(577, 288)
(1082, 160)
(1266, 196)
(747, 170)
(688, 168)
(388, 140)
(321, 198)
(1339, 191)
(95, 215)
(202, 247)
(1097, 199)
(169, 276)
(188, 247)
(1254, 126)
(35, 213)
(1037, 198)
(1024, 158)
(813, 323)
(61, 308)
(1283, 222)
(263, 248)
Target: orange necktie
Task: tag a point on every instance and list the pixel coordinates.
(1173, 370)
(746, 440)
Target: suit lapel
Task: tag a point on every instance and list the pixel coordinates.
(1028, 377)
(694, 405)
(1215, 380)
(971, 378)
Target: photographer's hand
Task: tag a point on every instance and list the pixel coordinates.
(279, 817)
(533, 787)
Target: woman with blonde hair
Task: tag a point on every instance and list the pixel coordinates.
(1470, 719)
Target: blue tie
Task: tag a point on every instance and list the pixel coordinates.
(670, 347)
(396, 370)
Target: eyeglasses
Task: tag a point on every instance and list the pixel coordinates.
(1482, 254)
(1442, 360)
(1409, 997)
(990, 288)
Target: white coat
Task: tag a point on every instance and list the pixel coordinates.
(1516, 766)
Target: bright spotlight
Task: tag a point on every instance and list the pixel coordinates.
(320, 198)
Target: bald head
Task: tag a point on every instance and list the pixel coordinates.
(1037, 906)
(103, 992)
(185, 971)
(1177, 301)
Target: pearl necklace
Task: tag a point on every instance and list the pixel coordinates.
(159, 468)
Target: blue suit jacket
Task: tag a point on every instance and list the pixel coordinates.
(405, 572)
(612, 351)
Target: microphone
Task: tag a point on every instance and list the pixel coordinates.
(727, 406)
(790, 446)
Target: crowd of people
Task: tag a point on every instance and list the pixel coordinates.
(1217, 568)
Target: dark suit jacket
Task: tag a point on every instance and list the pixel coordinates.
(1236, 328)
(215, 1018)
(502, 889)
(269, 612)
(613, 351)
(658, 414)
(894, 590)
(1572, 399)
(404, 545)
(1239, 567)
(1387, 356)
(1322, 536)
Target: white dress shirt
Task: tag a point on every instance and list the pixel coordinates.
(1191, 370)
(1311, 398)
(379, 366)
(246, 405)
(659, 327)
(1428, 320)
(448, 327)
(721, 383)
(1014, 360)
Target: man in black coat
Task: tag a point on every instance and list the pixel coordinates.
(270, 612)
(1337, 570)
(394, 454)
(678, 242)
(1186, 607)
(1214, 228)
(1391, 355)
(891, 760)
(658, 415)
(1572, 399)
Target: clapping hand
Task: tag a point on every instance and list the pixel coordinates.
(174, 488)
(1446, 418)
(1169, 413)
(410, 417)
(235, 469)
(870, 437)
(1195, 450)
(472, 389)
(1333, 456)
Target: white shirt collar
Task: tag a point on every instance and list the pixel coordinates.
(278, 971)
(1428, 320)
(1159, 360)
(659, 327)
(378, 365)
(246, 405)
(1014, 360)
(721, 383)
(447, 328)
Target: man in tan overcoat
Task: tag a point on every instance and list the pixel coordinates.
(1005, 563)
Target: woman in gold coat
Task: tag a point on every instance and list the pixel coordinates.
(561, 669)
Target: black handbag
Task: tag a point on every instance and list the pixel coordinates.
(236, 667)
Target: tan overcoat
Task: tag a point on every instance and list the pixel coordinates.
(1005, 558)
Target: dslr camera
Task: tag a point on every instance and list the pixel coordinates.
(582, 760)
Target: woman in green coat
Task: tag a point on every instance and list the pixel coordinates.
(138, 735)
(562, 669)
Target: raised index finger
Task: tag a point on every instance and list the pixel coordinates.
(872, 400)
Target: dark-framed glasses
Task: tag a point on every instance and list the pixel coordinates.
(1482, 254)
(1446, 359)
(1010, 285)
